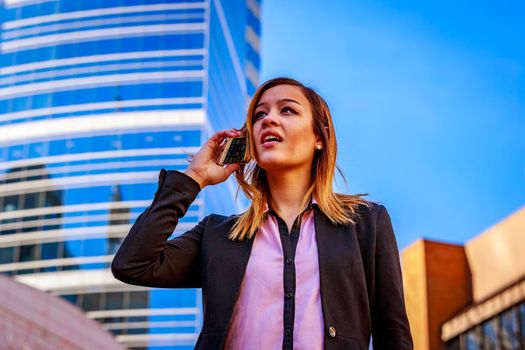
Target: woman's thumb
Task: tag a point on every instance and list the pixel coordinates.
(230, 168)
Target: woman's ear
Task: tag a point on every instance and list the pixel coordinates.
(318, 142)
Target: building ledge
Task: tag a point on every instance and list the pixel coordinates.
(484, 310)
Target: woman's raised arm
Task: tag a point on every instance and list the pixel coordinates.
(146, 257)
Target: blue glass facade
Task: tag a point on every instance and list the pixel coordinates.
(95, 98)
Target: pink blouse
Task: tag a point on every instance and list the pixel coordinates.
(257, 320)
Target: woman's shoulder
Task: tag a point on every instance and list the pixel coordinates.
(370, 206)
(217, 227)
(219, 219)
(370, 210)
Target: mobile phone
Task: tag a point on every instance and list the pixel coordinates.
(234, 151)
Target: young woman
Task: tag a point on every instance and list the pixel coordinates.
(303, 267)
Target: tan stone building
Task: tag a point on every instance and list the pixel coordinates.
(32, 319)
(468, 297)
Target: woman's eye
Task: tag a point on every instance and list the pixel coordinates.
(258, 115)
(287, 110)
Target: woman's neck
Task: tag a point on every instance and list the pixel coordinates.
(287, 190)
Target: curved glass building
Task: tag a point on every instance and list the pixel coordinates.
(95, 98)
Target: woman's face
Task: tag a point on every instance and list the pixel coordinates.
(283, 134)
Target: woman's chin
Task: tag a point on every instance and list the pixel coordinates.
(279, 164)
(271, 163)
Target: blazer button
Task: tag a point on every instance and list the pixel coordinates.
(332, 332)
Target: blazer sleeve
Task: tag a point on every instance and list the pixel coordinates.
(146, 257)
(390, 327)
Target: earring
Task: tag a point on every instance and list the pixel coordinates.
(318, 147)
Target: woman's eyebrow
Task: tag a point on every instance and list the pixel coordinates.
(280, 101)
(289, 100)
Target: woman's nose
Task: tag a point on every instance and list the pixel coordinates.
(270, 119)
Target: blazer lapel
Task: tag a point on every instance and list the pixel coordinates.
(339, 271)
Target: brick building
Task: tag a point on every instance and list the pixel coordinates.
(468, 297)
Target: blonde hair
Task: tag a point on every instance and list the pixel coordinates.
(338, 208)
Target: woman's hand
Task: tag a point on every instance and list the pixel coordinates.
(203, 167)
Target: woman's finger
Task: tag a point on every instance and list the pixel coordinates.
(225, 134)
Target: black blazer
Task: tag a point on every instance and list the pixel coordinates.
(360, 274)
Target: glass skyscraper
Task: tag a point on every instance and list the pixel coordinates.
(96, 96)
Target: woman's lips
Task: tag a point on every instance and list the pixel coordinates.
(270, 144)
(270, 134)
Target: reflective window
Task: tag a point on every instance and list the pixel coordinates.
(72, 248)
(41, 101)
(510, 329)
(94, 266)
(91, 302)
(49, 251)
(490, 334)
(94, 247)
(50, 217)
(473, 339)
(72, 298)
(113, 245)
(57, 147)
(65, 249)
(522, 321)
(20, 104)
(54, 198)
(33, 200)
(68, 267)
(29, 224)
(81, 195)
(171, 298)
(138, 300)
(500, 332)
(29, 253)
(113, 320)
(139, 330)
(10, 204)
(17, 152)
(114, 301)
(4, 108)
(7, 255)
(137, 319)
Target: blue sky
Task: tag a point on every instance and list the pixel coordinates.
(428, 100)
